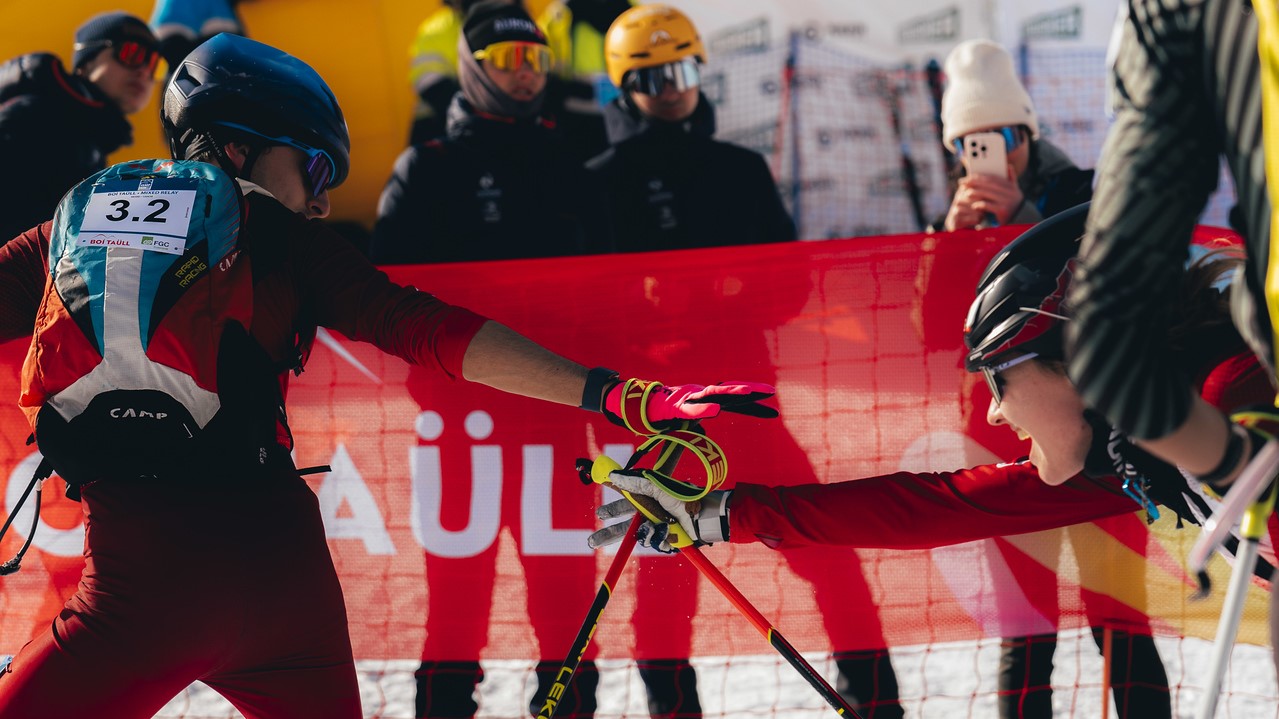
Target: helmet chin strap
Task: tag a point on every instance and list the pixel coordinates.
(251, 155)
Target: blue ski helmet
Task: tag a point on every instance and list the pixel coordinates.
(231, 80)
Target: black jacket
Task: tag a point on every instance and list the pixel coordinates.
(55, 130)
(493, 188)
(671, 186)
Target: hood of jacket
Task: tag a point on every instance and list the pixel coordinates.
(464, 121)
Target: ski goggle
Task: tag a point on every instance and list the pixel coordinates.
(995, 382)
(682, 75)
(131, 54)
(512, 55)
(319, 166)
(1012, 138)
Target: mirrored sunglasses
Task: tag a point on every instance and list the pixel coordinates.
(512, 55)
(128, 53)
(1013, 137)
(995, 382)
(319, 165)
(682, 75)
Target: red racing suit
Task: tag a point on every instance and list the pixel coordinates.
(907, 510)
(221, 579)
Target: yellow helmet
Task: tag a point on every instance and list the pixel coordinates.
(647, 36)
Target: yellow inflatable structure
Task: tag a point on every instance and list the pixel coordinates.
(361, 48)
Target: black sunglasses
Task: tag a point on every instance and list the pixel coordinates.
(995, 382)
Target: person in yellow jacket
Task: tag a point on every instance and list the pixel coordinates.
(582, 87)
(433, 68)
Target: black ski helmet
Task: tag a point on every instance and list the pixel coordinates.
(1019, 306)
(232, 79)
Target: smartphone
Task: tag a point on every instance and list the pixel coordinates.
(986, 154)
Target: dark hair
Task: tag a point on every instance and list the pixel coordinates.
(1202, 329)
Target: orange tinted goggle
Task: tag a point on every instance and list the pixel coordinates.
(513, 55)
(128, 53)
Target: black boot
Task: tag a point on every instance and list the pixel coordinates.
(1025, 677)
(446, 690)
(671, 685)
(578, 702)
(1137, 676)
(868, 683)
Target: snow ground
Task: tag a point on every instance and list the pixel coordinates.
(937, 681)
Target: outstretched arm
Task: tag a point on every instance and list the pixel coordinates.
(918, 511)
(903, 510)
(504, 359)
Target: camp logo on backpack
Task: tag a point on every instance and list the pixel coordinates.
(141, 350)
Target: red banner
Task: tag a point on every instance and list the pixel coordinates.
(458, 524)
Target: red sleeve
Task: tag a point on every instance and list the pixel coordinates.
(23, 270)
(1238, 383)
(353, 297)
(918, 511)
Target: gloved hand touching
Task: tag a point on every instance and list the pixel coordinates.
(700, 522)
(648, 407)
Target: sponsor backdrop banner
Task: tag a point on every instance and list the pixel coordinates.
(844, 98)
(458, 524)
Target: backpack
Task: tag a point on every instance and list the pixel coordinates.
(141, 363)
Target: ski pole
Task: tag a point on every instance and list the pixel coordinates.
(1251, 527)
(597, 472)
(774, 637)
(1243, 494)
(651, 509)
(565, 674)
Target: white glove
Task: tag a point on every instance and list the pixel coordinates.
(705, 520)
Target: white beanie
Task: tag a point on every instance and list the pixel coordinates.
(983, 92)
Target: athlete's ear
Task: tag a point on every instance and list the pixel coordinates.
(237, 153)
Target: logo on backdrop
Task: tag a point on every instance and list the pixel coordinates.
(940, 26)
(748, 37)
(1064, 24)
(836, 30)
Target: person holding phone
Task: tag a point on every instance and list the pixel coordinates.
(1008, 174)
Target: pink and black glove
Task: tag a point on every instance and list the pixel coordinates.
(649, 407)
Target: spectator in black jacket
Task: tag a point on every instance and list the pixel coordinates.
(669, 184)
(499, 185)
(57, 128)
(672, 186)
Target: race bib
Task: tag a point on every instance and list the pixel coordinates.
(136, 214)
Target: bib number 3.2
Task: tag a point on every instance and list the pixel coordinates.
(152, 220)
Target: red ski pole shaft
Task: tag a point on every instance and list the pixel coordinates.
(753, 615)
